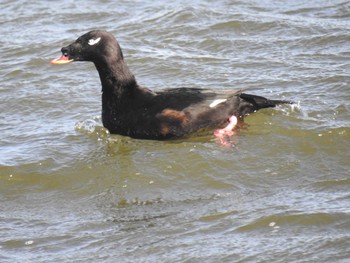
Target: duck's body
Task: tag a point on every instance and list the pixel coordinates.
(131, 110)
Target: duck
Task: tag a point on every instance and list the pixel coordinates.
(129, 109)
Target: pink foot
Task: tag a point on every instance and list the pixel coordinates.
(224, 133)
(227, 131)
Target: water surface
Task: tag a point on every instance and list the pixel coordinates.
(71, 192)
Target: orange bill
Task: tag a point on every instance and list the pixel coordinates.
(61, 60)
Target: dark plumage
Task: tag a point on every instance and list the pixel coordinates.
(131, 110)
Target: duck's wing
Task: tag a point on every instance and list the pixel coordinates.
(185, 98)
(186, 110)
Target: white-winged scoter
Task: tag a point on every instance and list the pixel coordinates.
(131, 110)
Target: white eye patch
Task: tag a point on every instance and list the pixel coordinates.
(216, 102)
(94, 41)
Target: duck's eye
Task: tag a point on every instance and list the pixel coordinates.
(94, 41)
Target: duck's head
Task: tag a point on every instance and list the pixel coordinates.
(95, 46)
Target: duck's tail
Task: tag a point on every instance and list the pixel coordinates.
(257, 102)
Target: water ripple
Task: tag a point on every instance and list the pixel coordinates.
(70, 191)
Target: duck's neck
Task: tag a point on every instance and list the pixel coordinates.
(116, 79)
(118, 89)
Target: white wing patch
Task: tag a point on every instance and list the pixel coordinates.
(216, 102)
(94, 41)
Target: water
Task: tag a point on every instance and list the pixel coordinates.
(70, 192)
